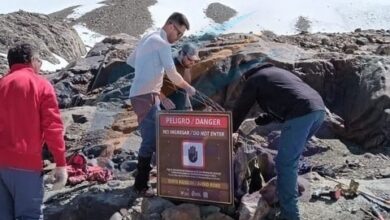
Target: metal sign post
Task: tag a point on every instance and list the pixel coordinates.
(194, 156)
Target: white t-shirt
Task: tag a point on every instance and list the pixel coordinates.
(150, 59)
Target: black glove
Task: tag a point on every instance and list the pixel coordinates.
(264, 119)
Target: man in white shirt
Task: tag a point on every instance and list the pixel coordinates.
(151, 59)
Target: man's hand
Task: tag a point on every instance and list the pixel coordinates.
(168, 104)
(60, 178)
(264, 119)
(190, 90)
(235, 138)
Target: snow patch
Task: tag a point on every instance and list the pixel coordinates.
(89, 37)
(47, 66)
(83, 9)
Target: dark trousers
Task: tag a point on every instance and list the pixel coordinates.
(179, 98)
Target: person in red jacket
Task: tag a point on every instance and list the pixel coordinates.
(29, 116)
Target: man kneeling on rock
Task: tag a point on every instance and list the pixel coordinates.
(172, 97)
(285, 98)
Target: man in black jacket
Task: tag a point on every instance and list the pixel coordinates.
(285, 98)
(173, 97)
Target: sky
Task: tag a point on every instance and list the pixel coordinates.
(278, 16)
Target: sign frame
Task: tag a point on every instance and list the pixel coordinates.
(196, 144)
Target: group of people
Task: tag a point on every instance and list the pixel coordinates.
(29, 116)
(282, 96)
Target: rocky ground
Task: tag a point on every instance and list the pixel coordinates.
(49, 35)
(117, 16)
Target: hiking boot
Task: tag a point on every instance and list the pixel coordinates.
(146, 192)
(141, 186)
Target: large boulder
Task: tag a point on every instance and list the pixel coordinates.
(354, 86)
(103, 66)
(49, 35)
(3, 64)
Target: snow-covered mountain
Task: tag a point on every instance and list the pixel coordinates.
(279, 16)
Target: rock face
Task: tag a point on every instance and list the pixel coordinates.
(104, 65)
(352, 79)
(354, 84)
(182, 212)
(48, 35)
(361, 96)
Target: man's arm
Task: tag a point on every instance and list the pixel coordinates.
(243, 104)
(131, 58)
(187, 75)
(52, 126)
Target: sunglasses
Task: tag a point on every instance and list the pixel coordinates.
(179, 33)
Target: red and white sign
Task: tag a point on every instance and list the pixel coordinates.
(194, 156)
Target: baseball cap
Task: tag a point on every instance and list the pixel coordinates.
(190, 50)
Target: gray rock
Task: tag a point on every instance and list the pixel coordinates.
(85, 65)
(350, 85)
(79, 118)
(129, 166)
(219, 12)
(96, 150)
(103, 67)
(385, 173)
(49, 35)
(383, 50)
(182, 212)
(208, 210)
(115, 17)
(95, 203)
(155, 205)
(362, 41)
(218, 216)
(66, 92)
(350, 48)
(3, 65)
(248, 205)
(153, 216)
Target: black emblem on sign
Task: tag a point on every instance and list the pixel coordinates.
(192, 154)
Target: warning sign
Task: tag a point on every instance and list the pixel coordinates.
(194, 156)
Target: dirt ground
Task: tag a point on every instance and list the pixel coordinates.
(348, 162)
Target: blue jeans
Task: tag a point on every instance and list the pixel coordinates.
(295, 133)
(148, 132)
(21, 194)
